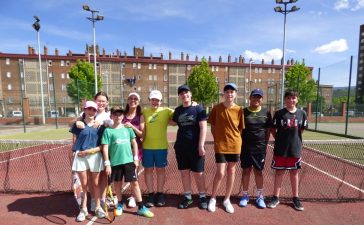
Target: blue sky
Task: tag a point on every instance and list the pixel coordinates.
(323, 32)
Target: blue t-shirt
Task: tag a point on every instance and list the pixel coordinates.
(187, 119)
(88, 137)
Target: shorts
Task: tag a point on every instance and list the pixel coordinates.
(93, 162)
(154, 158)
(188, 160)
(126, 171)
(257, 160)
(286, 163)
(223, 158)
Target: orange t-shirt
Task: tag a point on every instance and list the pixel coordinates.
(228, 124)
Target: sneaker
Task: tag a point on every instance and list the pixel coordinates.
(131, 203)
(145, 212)
(228, 206)
(273, 203)
(119, 210)
(297, 204)
(161, 200)
(203, 203)
(244, 201)
(212, 205)
(260, 202)
(100, 213)
(92, 205)
(150, 201)
(186, 202)
(82, 215)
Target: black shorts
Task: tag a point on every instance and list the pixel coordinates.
(128, 171)
(190, 160)
(223, 158)
(257, 160)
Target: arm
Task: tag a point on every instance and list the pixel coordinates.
(137, 132)
(202, 139)
(89, 151)
(105, 154)
(213, 130)
(172, 123)
(134, 146)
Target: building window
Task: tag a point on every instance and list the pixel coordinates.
(154, 66)
(68, 76)
(7, 61)
(64, 87)
(256, 70)
(165, 89)
(10, 99)
(139, 66)
(269, 70)
(51, 87)
(155, 77)
(273, 70)
(246, 80)
(260, 70)
(139, 77)
(216, 68)
(165, 67)
(188, 67)
(212, 68)
(150, 77)
(150, 66)
(62, 62)
(50, 75)
(9, 87)
(8, 74)
(226, 68)
(134, 65)
(62, 75)
(139, 88)
(165, 77)
(49, 62)
(67, 63)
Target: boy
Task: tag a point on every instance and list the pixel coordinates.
(288, 124)
(227, 122)
(121, 161)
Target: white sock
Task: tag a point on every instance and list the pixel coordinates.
(188, 194)
(260, 192)
(245, 193)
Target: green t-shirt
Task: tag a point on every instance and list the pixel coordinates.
(156, 122)
(118, 140)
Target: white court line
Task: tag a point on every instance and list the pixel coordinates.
(122, 190)
(35, 153)
(335, 178)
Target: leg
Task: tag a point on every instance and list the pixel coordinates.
(293, 175)
(220, 173)
(103, 184)
(96, 187)
(278, 178)
(161, 178)
(246, 179)
(118, 186)
(200, 181)
(230, 179)
(83, 179)
(258, 178)
(186, 180)
(148, 176)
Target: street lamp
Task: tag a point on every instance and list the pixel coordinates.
(284, 12)
(36, 27)
(93, 19)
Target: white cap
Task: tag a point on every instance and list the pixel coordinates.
(135, 94)
(155, 94)
(90, 104)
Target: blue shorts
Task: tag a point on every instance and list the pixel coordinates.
(154, 158)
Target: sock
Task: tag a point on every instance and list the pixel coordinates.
(245, 193)
(140, 205)
(159, 193)
(188, 195)
(202, 194)
(260, 192)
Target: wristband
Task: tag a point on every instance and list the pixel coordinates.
(93, 151)
(136, 157)
(107, 163)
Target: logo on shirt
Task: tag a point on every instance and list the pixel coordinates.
(153, 118)
(121, 141)
(184, 119)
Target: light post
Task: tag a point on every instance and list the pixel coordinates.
(284, 12)
(250, 75)
(36, 27)
(93, 19)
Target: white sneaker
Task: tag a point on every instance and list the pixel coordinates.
(100, 213)
(228, 206)
(212, 205)
(92, 204)
(82, 215)
(132, 202)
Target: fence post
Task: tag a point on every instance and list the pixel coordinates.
(22, 94)
(55, 101)
(348, 100)
(317, 96)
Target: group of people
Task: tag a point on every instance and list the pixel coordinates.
(112, 144)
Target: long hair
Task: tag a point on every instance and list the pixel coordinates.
(138, 110)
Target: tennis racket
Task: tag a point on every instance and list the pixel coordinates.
(110, 198)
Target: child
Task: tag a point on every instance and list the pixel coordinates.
(121, 161)
(227, 122)
(88, 158)
(288, 124)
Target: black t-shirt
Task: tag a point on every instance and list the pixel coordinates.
(288, 141)
(187, 119)
(256, 126)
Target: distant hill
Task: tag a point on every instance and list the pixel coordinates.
(343, 91)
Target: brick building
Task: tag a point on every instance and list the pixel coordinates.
(121, 74)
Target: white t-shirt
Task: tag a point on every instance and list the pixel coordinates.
(103, 118)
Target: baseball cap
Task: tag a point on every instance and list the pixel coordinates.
(116, 109)
(155, 94)
(183, 88)
(231, 86)
(135, 94)
(90, 104)
(257, 92)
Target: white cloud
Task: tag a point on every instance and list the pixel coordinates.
(341, 4)
(334, 46)
(267, 56)
(359, 5)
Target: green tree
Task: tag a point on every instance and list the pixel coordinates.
(82, 81)
(203, 83)
(297, 78)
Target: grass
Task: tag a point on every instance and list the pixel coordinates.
(47, 134)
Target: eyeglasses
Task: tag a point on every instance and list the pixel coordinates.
(134, 99)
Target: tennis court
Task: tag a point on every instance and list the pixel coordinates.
(332, 171)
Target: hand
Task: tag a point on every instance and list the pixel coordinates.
(82, 153)
(80, 125)
(194, 103)
(201, 151)
(136, 163)
(108, 170)
(129, 125)
(96, 124)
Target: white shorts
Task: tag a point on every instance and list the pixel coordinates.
(93, 162)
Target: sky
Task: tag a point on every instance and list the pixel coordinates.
(323, 33)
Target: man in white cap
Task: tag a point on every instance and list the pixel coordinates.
(155, 146)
